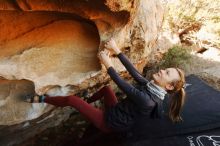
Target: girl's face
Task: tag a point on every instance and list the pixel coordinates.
(164, 78)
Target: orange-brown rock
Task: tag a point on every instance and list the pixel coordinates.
(55, 43)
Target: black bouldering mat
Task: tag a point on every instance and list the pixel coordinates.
(201, 125)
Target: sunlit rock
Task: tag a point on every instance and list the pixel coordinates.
(54, 44)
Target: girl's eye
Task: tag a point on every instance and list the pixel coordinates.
(167, 72)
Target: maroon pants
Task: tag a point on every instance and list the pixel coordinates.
(94, 115)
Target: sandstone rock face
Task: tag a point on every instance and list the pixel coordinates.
(193, 22)
(54, 45)
(47, 48)
(12, 106)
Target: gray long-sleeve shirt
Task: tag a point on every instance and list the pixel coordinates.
(139, 101)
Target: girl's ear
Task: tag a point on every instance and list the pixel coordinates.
(169, 87)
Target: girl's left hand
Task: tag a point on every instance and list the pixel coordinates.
(105, 58)
(111, 45)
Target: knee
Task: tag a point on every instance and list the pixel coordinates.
(106, 87)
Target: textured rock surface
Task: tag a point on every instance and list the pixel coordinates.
(47, 48)
(54, 44)
(195, 22)
(12, 106)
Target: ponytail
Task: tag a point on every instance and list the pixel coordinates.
(177, 98)
(176, 104)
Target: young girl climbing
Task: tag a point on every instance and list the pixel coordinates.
(144, 100)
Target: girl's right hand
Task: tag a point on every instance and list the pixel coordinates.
(105, 58)
(111, 45)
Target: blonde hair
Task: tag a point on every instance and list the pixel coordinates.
(177, 97)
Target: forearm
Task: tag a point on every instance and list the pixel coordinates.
(134, 94)
(123, 85)
(131, 69)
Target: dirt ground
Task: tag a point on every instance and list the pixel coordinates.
(205, 66)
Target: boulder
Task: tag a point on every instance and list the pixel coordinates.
(53, 45)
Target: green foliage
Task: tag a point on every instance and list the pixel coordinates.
(176, 56)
